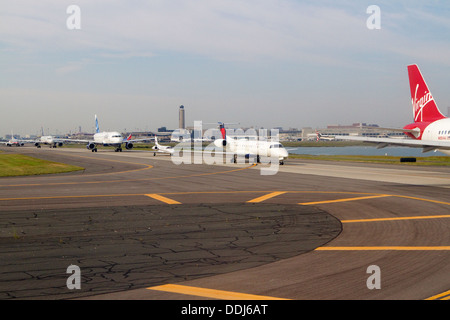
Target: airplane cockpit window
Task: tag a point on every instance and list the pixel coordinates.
(278, 145)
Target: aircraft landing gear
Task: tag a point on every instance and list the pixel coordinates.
(119, 149)
(94, 150)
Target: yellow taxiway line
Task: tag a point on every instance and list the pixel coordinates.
(397, 218)
(162, 198)
(267, 196)
(442, 296)
(210, 293)
(344, 200)
(386, 248)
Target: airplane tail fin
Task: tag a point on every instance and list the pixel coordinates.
(223, 131)
(97, 129)
(129, 137)
(424, 106)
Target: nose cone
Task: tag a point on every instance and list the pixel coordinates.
(283, 153)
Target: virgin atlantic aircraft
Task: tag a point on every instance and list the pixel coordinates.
(430, 130)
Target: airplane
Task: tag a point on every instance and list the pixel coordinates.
(15, 142)
(320, 136)
(430, 130)
(112, 138)
(49, 140)
(163, 149)
(249, 148)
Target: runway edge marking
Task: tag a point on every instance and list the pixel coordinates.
(210, 293)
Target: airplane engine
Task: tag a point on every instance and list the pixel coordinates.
(129, 146)
(60, 144)
(37, 144)
(90, 146)
(220, 143)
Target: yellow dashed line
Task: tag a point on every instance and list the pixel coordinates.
(162, 198)
(344, 200)
(210, 293)
(267, 196)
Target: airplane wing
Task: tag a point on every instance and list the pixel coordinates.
(73, 140)
(426, 145)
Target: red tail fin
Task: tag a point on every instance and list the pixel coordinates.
(223, 131)
(424, 106)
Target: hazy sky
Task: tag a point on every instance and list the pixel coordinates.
(266, 63)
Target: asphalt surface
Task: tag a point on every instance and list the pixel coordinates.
(142, 227)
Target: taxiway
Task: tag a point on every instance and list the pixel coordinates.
(141, 227)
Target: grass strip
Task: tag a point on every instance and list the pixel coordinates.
(21, 165)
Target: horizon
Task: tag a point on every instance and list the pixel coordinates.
(260, 63)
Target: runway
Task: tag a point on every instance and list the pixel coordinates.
(142, 227)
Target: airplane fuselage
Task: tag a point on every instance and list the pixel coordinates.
(257, 148)
(112, 138)
(438, 130)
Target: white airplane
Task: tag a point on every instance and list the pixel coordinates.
(430, 130)
(49, 140)
(163, 149)
(320, 136)
(250, 148)
(15, 142)
(112, 138)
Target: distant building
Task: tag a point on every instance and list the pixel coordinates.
(182, 123)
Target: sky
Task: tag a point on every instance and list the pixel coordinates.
(264, 63)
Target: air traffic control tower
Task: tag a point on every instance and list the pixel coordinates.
(182, 124)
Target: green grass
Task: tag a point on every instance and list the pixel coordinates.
(421, 161)
(20, 165)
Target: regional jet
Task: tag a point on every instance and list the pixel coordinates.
(250, 148)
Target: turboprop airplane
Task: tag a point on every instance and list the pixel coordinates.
(250, 148)
(111, 138)
(163, 149)
(430, 130)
